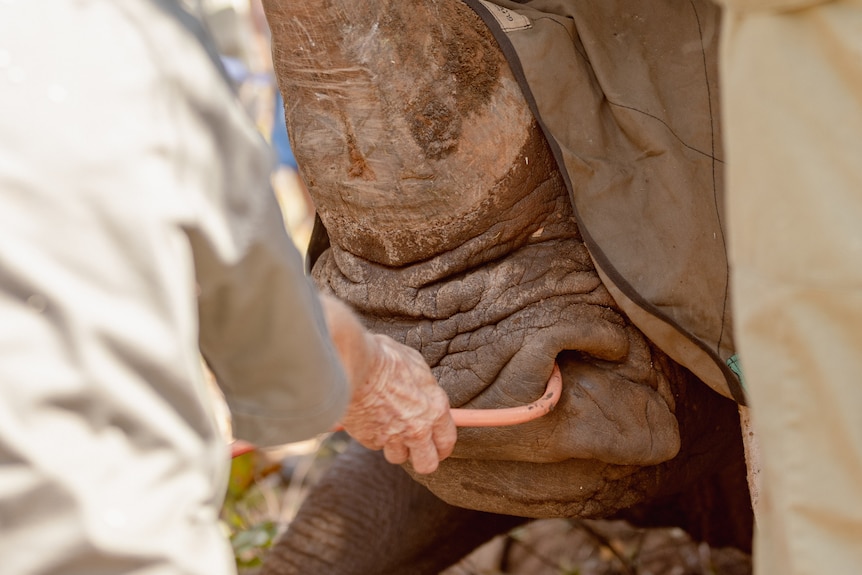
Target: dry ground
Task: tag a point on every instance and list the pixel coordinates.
(570, 547)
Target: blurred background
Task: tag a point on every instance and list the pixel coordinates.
(242, 38)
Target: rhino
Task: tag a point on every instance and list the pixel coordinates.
(508, 187)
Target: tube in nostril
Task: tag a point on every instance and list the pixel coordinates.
(513, 415)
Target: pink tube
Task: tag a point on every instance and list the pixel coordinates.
(513, 415)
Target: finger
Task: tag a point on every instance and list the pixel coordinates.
(445, 435)
(424, 457)
(396, 453)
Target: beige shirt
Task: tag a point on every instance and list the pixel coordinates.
(137, 227)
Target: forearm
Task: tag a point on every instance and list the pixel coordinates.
(353, 343)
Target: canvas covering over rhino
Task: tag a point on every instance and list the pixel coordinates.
(505, 186)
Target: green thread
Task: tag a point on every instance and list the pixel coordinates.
(735, 367)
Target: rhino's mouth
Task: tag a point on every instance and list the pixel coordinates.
(492, 334)
(601, 416)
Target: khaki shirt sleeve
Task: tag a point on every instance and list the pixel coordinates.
(261, 324)
(263, 334)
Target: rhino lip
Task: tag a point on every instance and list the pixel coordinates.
(489, 463)
(601, 415)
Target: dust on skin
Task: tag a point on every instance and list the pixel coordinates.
(466, 63)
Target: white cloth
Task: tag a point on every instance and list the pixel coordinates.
(130, 182)
(791, 75)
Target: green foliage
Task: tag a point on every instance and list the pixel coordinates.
(265, 490)
(250, 544)
(242, 474)
(251, 532)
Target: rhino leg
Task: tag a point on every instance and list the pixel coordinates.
(367, 516)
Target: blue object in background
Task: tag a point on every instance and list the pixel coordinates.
(280, 140)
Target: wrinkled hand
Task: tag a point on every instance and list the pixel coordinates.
(400, 408)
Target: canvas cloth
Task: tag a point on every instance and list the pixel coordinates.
(626, 92)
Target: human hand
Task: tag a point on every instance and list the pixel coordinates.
(400, 408)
